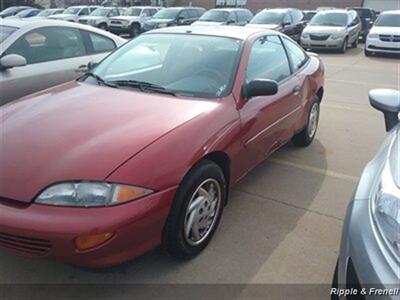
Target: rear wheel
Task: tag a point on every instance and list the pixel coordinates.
(344, 46)
(196, 211)
(306, 136)
(135, 30)
(355, 43)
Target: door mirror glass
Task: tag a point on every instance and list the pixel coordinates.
(388, 102)
(260, 87)
(12, 60)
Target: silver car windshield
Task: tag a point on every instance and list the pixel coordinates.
(329, 19)
(196, 66)
(388, 20)
(268, 17)
(72, 10)
(5, 32)
(100, 12)
(215, 16)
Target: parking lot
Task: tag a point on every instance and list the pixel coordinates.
(284, 219)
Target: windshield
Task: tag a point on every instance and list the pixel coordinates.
(195, 66)
(11, 10)
(134, 12)
(329, 19)
(72, 10)
(5, 32)
(388, 20)
(308, 16)
(25, 13)
(169, 13)
(45, 13)
(215, 16)
(268, 17)
(100, 12)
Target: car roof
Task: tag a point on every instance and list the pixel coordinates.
(396, 12)
(235, 32)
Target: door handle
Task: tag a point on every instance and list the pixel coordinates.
(296, 90)
(82, 69)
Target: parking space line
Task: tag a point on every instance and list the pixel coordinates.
(348, 108)
(314, 170)
(363, 83)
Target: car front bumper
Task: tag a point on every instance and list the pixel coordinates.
(376, 45)
(327, 44)
(119, 29)
(49, 231)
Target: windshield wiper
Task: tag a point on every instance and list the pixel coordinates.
(143, 86)
(100, 80)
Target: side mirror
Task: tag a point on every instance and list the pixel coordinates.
(260, 87)
(92, 65)
(388, 102)
(12, 60)
(284, 24)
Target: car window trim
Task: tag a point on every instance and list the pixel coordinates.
(303, 64)
(50, 60)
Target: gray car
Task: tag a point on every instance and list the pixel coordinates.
(370, 249)
(42, 53)
(332, 29)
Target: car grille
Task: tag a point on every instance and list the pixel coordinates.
(383, 48)
(115, 22)
(318, 37)
(31, 246)
(389, 38)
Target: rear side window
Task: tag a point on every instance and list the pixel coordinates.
(268, 60)
(297, 56)
(193, 13)
(84, 12)
(48, 44)
(98, 43)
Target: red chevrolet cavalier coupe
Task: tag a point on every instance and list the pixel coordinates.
(142, 150)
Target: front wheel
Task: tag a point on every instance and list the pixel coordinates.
(196, 211)
(355, 43)
(344, 46)
(306, 136)
(367, 52)
(135, 30)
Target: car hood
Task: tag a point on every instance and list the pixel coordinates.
(324, 30)
(63, 16)
(127, 18)
(80, 131)
(264, 26)
(384, 30)
(158, 21)
(207, 23)
(92, 18)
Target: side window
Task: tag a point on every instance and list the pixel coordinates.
(296, 55)
(287, 19)
(146, 12)
(193, 13)
(268, 60)
(184, 14)
(98, 43)
(114, 12)
(84, 12)
(152, 12)
(48, 44)
(92, 9)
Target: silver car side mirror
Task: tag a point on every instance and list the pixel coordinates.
(388, 102)
(12, 60)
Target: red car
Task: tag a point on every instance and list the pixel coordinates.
(142, 150)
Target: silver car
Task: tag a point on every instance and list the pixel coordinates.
(73, 13)
(369, 256)
(38, 54)
(332, 29)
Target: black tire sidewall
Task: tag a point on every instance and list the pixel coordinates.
(173, 236)
(135, 30)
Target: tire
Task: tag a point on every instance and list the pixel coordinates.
(367, 52)
(103, 26)
(306, 136)
(344, 46)
(335, 281)
(179, 238)
(355, 43)
(135, 30)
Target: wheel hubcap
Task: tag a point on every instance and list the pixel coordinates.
(313, 120)
(202, 212)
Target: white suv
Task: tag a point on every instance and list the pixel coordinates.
(100, 17)
(133, 19)
(384, 36)
(73, 13)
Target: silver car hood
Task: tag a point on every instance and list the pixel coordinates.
(264, 26)
(324, 29)
(92, 18)
(63, 16)
(385, 30)
(207, 23)
(127, 18)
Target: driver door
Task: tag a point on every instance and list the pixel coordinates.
(268, 121)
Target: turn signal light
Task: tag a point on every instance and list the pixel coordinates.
(90, 241)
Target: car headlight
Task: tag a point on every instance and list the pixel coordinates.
(385, 206)
(90, 194)
(305, 35)
(335, 36)
(373, 36)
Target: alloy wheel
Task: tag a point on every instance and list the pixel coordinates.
(313, 120)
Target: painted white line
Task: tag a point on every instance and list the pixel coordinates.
(315, 170)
